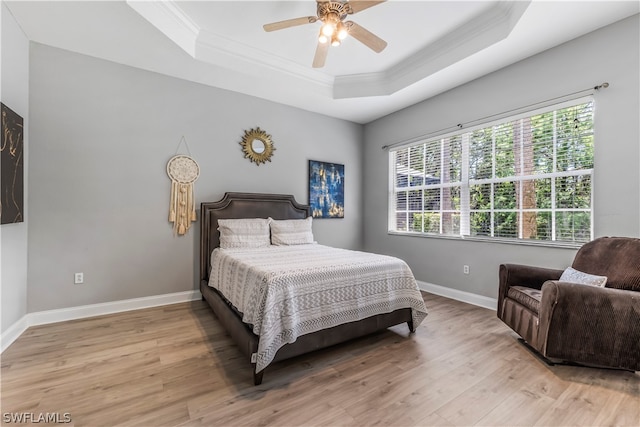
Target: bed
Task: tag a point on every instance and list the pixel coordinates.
(263, 345)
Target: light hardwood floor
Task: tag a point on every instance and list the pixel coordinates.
(174, 366)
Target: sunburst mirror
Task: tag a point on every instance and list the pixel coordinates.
(257, 146)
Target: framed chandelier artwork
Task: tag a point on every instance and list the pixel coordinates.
(183, 171)
(326, 189)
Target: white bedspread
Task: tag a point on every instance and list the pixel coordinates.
(289, 291)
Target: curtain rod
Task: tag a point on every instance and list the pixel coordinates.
(482, 119)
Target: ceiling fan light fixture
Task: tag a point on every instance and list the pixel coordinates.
(342, 31)
(328, 29)
(332, 15)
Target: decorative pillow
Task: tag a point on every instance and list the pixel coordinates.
(291, 231)
(574, 276)
(244, 233)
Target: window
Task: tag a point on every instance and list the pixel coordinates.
(527, 178)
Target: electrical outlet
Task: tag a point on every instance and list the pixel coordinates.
(465, 269)
(78, 278)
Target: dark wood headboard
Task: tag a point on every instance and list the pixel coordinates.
(242, 205)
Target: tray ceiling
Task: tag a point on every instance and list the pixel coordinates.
(433, 46)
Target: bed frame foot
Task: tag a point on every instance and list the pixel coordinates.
(257, 377)
(411, 328)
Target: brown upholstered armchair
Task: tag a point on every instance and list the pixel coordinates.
(569, 322)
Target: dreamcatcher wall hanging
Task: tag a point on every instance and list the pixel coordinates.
(183, 171)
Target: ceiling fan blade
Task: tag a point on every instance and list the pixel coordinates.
(281, 25)
(321, 55)
(366, 37)
(356, 6)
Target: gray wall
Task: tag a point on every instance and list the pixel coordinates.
(101, 135)
(610, 54)
(13, 237)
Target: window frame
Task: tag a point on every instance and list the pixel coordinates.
(466, 183)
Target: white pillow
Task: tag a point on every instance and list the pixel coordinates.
(244, 233)
(572, 275)
(291, 231)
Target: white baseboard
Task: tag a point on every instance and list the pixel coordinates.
(81, 312)
(84, 311)
(463, 296)
(13, 332)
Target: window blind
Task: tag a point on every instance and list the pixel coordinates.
(526, 177)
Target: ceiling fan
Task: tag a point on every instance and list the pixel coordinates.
(334, 29)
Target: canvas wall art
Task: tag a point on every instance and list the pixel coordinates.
(326, 189)
(11, 167)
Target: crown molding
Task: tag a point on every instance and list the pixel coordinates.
(171, 20)
(484, 30)
(224, 52)
(211, 48)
